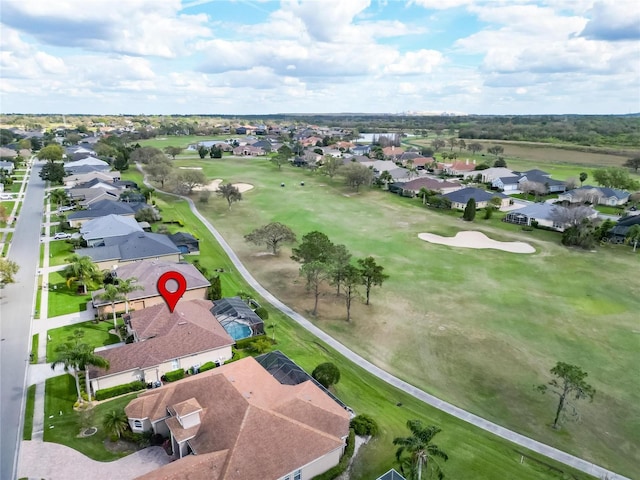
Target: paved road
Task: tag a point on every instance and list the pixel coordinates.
(494, 428)
(16, 309)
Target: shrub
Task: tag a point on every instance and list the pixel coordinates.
(119, 390)
(364, 425)
(262, 345)
(246, 342)
(174, 375)
(344, 461)
(206, 366)
(262, 313)
(326, 374)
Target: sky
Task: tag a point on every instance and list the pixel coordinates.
(503, 57)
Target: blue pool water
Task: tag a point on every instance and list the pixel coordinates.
(238, 331)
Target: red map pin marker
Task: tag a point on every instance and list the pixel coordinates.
(171, 297)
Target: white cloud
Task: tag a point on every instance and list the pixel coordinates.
(619, 20)
(421, 61)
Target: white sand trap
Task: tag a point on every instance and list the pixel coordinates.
(190, 168)
(472, 239)
(214, 184)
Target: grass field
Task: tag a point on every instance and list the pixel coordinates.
(478, 328)
(62, 299)
(27, 429)
(94, 334)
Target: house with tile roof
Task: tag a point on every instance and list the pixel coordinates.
(459, 198)
(102, 208)
(541, 214)
(164, 341)
(596, 195)
(412, 187)
(74, 179)
(132, 248)
(146, 274)
(460, 168)
(237, 422)
(97, 230)
(618, 234)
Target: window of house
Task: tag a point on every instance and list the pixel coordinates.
(297, 475)
(175, 363)
(137, 424)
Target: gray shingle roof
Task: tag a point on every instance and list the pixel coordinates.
(466, 194)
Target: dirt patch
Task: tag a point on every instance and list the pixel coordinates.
(120, 446)
(472, 239)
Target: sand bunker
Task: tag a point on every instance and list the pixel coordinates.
(214, 184)
(472, 239)
(190, 168)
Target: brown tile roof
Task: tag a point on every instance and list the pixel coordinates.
(190, 329)
(260, 423)
(429, 184)
(187, 407)
(147, 273)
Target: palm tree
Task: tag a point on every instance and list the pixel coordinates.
(633, 236)
(86, 358)
(67, 355)
(424, 193)
(112, 294)
(82, 269)
(125, 287)
(115, 422)
(58, 196)
(421, 453)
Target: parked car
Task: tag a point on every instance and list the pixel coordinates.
(65, 209)
(6, 196)
(61, 235)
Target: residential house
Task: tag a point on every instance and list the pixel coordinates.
(95, 163)
(164, 341)
(380, 166)
(412, 187)
(86, 197)
(132, 248)
(618, 233)
(460, 168)
(97, 230)
(544, 178)
(509, 184)
(595, 195)
(361, 150)
(74, 179)
(541, 214)
(102, 208)
(248, 150)
(392, 152)
(7, 166)
(490, 174)
(253, 427)
(147, 273)
(459, 198)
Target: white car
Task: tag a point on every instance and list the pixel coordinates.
(6, 196)
(61, 235)
(65, 209)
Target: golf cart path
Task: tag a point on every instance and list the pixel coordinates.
(534, 445)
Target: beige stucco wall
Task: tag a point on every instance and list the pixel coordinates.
(115, 380)
(322, 464)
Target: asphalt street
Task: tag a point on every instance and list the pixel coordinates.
(16, 312)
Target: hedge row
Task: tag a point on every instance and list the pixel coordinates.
(246, 342)
(174, 375)
(206, 366)
(120, 390)
(344, 461)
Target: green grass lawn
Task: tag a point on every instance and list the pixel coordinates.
(59, 251)
(35, 340)
(94, 334)
(478, 328)
(29, 408)
(65, 424)
(62, 299)
(609, 210)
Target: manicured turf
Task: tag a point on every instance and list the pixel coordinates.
(94, 334)
(62, 299)
(66, 424)
(59, 251)
(35, 340)
(479, 328)
(28, 413)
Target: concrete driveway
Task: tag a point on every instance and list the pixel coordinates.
(57, 462)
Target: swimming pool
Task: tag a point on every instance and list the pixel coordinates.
(238, 330)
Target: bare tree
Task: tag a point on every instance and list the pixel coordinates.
(570, 216)
(571, 183)
(537, 188)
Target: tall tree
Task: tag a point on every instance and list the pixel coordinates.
(67, 355)
(633, 236)
(202, 151)
(145, 154)
(53, 172)
(569, 383)
(126, 286)
(615, 177)
(583, 176)
(315, 246)
(330, 165)
(416, 454)
(230, 193)
(437, 144)
(173, 151)
(112, 295)
(339, 261)
(475, 147)
(58, 196)
(469, 210)
(81, 269)
(496, 150)
(52, 153)
(356, 175)
(371, 274)
(190, 179)
(326, 374)
(8, 270)
(453, 141)
(272, 235)
(316, 273)
(87, 358)
(159, 171)
(350, 280)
